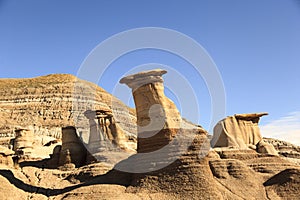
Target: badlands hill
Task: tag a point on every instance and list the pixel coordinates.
(42, 119)
(48, 103)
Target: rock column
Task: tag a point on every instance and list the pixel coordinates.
(94, 136)
(72, 147)
(158, 119)
(241, 131)
(23, 143)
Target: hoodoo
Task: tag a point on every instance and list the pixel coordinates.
(241, 131)
(158, 119)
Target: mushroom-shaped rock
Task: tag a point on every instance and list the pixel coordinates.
(157, 116)
(240, 131)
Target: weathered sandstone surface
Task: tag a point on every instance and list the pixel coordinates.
(241, 131)
(48, 103)
(173, 161)
(158, 119)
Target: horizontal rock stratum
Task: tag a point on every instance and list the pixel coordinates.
(175, 162)
(48, 103)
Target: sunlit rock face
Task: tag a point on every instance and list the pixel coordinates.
(238, 131)
(158, 119)
(105, 131)
(185, 167)
(241, 131)
(48, 103)
(23, 143)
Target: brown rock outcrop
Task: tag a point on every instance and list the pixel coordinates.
(72, 148)
(176, 163)
(105, 132)
(188, 175)
(51, 102)
(285, 149)
(167, 152)
(241, 131)
(23, 143)
(158, 119)
(6, 157)
(244, 173)
(284, 185)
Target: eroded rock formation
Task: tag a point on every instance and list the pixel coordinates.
(51, 102)
(72, 148)
(158, 119)
(285, 149)
(171, 165)
(23, 143)
(105, 132)
(173, 154)
(241, 131)
(6, 157)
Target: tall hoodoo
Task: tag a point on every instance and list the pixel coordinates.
(157, 116)
(72, 145)
(104, 131)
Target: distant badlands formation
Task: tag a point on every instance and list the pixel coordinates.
(61, 123)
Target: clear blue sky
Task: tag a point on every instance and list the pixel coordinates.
(254, 43)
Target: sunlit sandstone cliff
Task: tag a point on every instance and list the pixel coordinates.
(48, 103)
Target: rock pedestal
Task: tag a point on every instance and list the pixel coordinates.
(158, 119)
(109, 128)
(241, 131)
(104, 131)
(94, 136)
(72, 147)
(23, 143)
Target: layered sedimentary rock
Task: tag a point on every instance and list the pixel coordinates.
(284, 185)
(241, 131)
(247, 173)
(104, 131)
(187, 169)
(181, 171)
(51, 102)
(6, 157)
(289, 151)
(237, 131)
(158, 119)
(283, 147)
(23, 143)
(167, 152)
(72, 150)
(183, 168)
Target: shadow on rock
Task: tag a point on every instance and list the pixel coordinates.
(112, 177)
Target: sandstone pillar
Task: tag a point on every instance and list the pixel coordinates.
(110, 129)
(23, 143)
(241, 131)
(94, 136)
(72, 147)
(158, 119)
